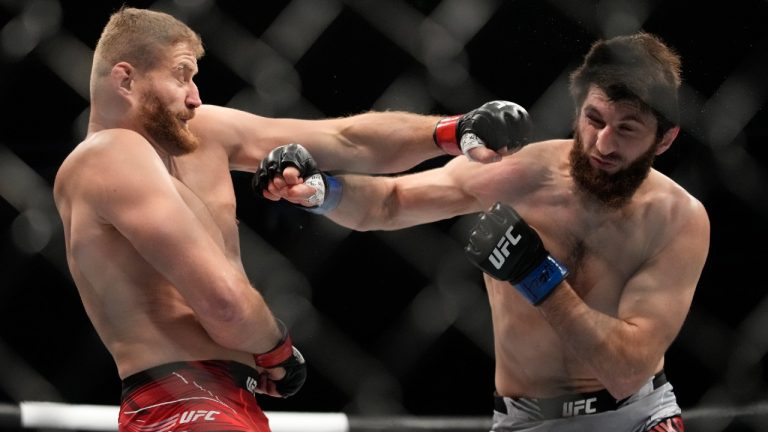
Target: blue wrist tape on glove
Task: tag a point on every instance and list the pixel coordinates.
(542, 280)
(332, 196)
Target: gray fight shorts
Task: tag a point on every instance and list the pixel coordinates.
(652, 408)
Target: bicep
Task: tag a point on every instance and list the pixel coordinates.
(248, 138)
(141, 202)
(141, 214)
(658, 297)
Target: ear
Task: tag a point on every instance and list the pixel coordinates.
(667, 139)
(122, 76)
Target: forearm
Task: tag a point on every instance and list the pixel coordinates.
(240, 321)
(395, 202)
(366, 203)
(379, 142)
(613, 348)
(392, 142)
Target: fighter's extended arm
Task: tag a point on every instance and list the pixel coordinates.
(372, 142)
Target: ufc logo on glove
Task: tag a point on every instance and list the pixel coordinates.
(501, 251)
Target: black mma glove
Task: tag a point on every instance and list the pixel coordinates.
(496, 125)
(327, 188)
(505, 247)
(286, 356)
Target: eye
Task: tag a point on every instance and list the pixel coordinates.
(183, 74)
(627, 129)
(595, 121)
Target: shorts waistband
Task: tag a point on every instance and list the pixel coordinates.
(240, 375)
(572, 404)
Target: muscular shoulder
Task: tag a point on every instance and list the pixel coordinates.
(678, 214)
(537, 163)
(245, 138)
(670, 198)
(544, 157)
(228, 128)
(517, 175)
(106, 147)
(102, 157)
(547, 149)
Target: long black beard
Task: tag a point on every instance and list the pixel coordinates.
(164, 128)
(613, 190)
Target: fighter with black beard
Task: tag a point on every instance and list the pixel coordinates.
(591, 256)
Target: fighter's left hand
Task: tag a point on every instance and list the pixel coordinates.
(289, 186)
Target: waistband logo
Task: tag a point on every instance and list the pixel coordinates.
(251, 385)
(195, 415)
(579, 407)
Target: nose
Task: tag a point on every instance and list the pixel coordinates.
(193, 97)
(605, 141)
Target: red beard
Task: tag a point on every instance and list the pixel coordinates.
(164, 127)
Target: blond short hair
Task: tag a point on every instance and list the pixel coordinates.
(140, 37)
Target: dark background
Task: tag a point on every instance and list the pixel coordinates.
(390, 322)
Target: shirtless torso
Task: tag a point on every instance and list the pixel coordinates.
(617, 258)
(140, 315)
(606, 252)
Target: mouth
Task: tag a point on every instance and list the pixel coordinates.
(603, 164)
(184, 119)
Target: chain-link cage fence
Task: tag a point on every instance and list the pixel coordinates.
(393, 323)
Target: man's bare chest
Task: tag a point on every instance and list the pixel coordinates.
(600, 254)
(207, 191)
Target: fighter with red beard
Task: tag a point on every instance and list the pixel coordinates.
(149, 215)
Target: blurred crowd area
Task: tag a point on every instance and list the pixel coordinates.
(391, 323)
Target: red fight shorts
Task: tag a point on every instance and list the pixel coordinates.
(192, 396)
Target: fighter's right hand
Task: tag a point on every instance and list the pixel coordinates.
(484, 133)
(324, 190)
(286, 356)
